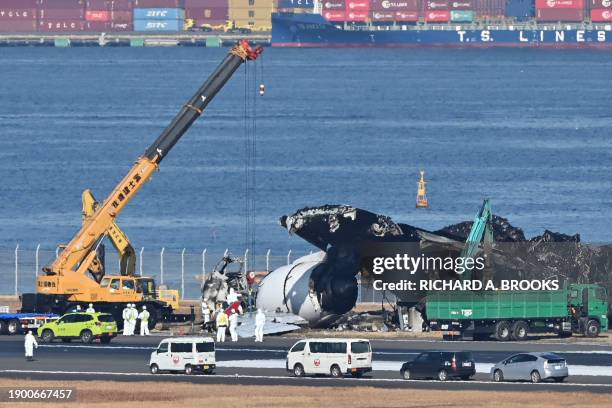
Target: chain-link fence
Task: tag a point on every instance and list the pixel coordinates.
(180, 269)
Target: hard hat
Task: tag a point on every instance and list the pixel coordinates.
(260, 310)
(144, 308)
(91, 305)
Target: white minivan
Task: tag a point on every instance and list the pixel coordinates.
(185, 354)
(335, 357)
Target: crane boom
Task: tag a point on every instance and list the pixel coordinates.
(481, 232)
(78, 255)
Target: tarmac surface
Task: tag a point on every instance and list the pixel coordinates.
(246, 362)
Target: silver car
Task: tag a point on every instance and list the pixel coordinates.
(533, 367)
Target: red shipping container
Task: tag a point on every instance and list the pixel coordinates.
(18, 26)
(382, 15)
(335, 15)
(101, 26)
(158, 3)
(97, 15)
(601, 15)
(62, 4)
(436, 5)
(121, 16)
(122, 26)
(601, 4)
(357, 15)
(17, 14)
(461, 5)
(406, 16)
(18, 4)
(394, 5)
(559, 4)
(54, 26)
(61, 14)
(437, 16)
(334, 5)
(357, 5)
(560, 14)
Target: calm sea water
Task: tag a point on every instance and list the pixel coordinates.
(530, 129)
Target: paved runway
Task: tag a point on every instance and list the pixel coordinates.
(246, 362)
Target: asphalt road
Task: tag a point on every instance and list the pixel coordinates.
(246, 362)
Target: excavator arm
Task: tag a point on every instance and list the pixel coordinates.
(79, 256)
(481, 232)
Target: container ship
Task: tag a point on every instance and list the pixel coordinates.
(442, 23)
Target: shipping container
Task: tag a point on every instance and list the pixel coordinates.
(462, 16)
(103, 26)
(158, 25)
(62, 4)
(436, 5)
(437, 16)
(211, 3)
(520, 9)
(56, 26)
(334, 5)
(553, 15)
(158, 3)
(394, 5)
(490, 8)
(357, 6)
(335, 15)
(601, 15)
(357, 16)
(109, 5)
(600, 4)
(121, 16)
(559, 4)
(407, 16)
(159, 14)
(97, 15)
(380, 16)
(17, 14)
(205, 14)
(461, 5)
(61, 14)
(18, 4)
(294, 4)
(18, 26)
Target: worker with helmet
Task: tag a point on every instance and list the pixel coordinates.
(133, 318)
(124, 316)
(29, 344)
(222, 322)
(260, 321)
(144, 321)
(90, 309)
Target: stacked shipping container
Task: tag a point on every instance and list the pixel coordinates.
(559, 10)
(211, 12)
(254, 14)
(18, 16)
(601, 10)
(109, 15)
(159, 19)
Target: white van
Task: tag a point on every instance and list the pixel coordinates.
(185, 354)
(335, 357)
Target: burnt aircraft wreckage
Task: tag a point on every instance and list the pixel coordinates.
(322, 287)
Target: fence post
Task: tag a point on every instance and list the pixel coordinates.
(37, 251)
(289, 257)
(140, 260)
(16, 268)
(268, 261)
(161, 265)
(203, 265)
(183, 274)
(246, 261)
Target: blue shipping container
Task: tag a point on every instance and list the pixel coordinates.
(159, 14)
(158, 25)
(520, 8)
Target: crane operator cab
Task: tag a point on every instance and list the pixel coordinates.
(129, 288)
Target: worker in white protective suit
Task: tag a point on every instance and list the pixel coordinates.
(90, 309)
(144, 321)
(133, 317)
(222, 322)
(205, 312)
(233, 325)
(260, 321)
(29, 344)
(124, 316)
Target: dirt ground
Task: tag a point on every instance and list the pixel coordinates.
(109, 394)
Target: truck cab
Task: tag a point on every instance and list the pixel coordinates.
(588, 305)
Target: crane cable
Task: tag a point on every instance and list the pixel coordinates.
(250, 143)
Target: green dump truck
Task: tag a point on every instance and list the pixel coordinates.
(512, 315)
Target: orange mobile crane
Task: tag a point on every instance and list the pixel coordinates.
(76, 276)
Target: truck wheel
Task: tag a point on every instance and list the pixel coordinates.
(520, 330)
(3, 327)
(592, 328)
(535, 377)
(13, 326)
(188, 369)
(47, 336)
(442, 375)
(154, 368)
(154, 315)
(498, 376)
(335, 371)
(86, 336)
(502, 331)
(298, 370)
